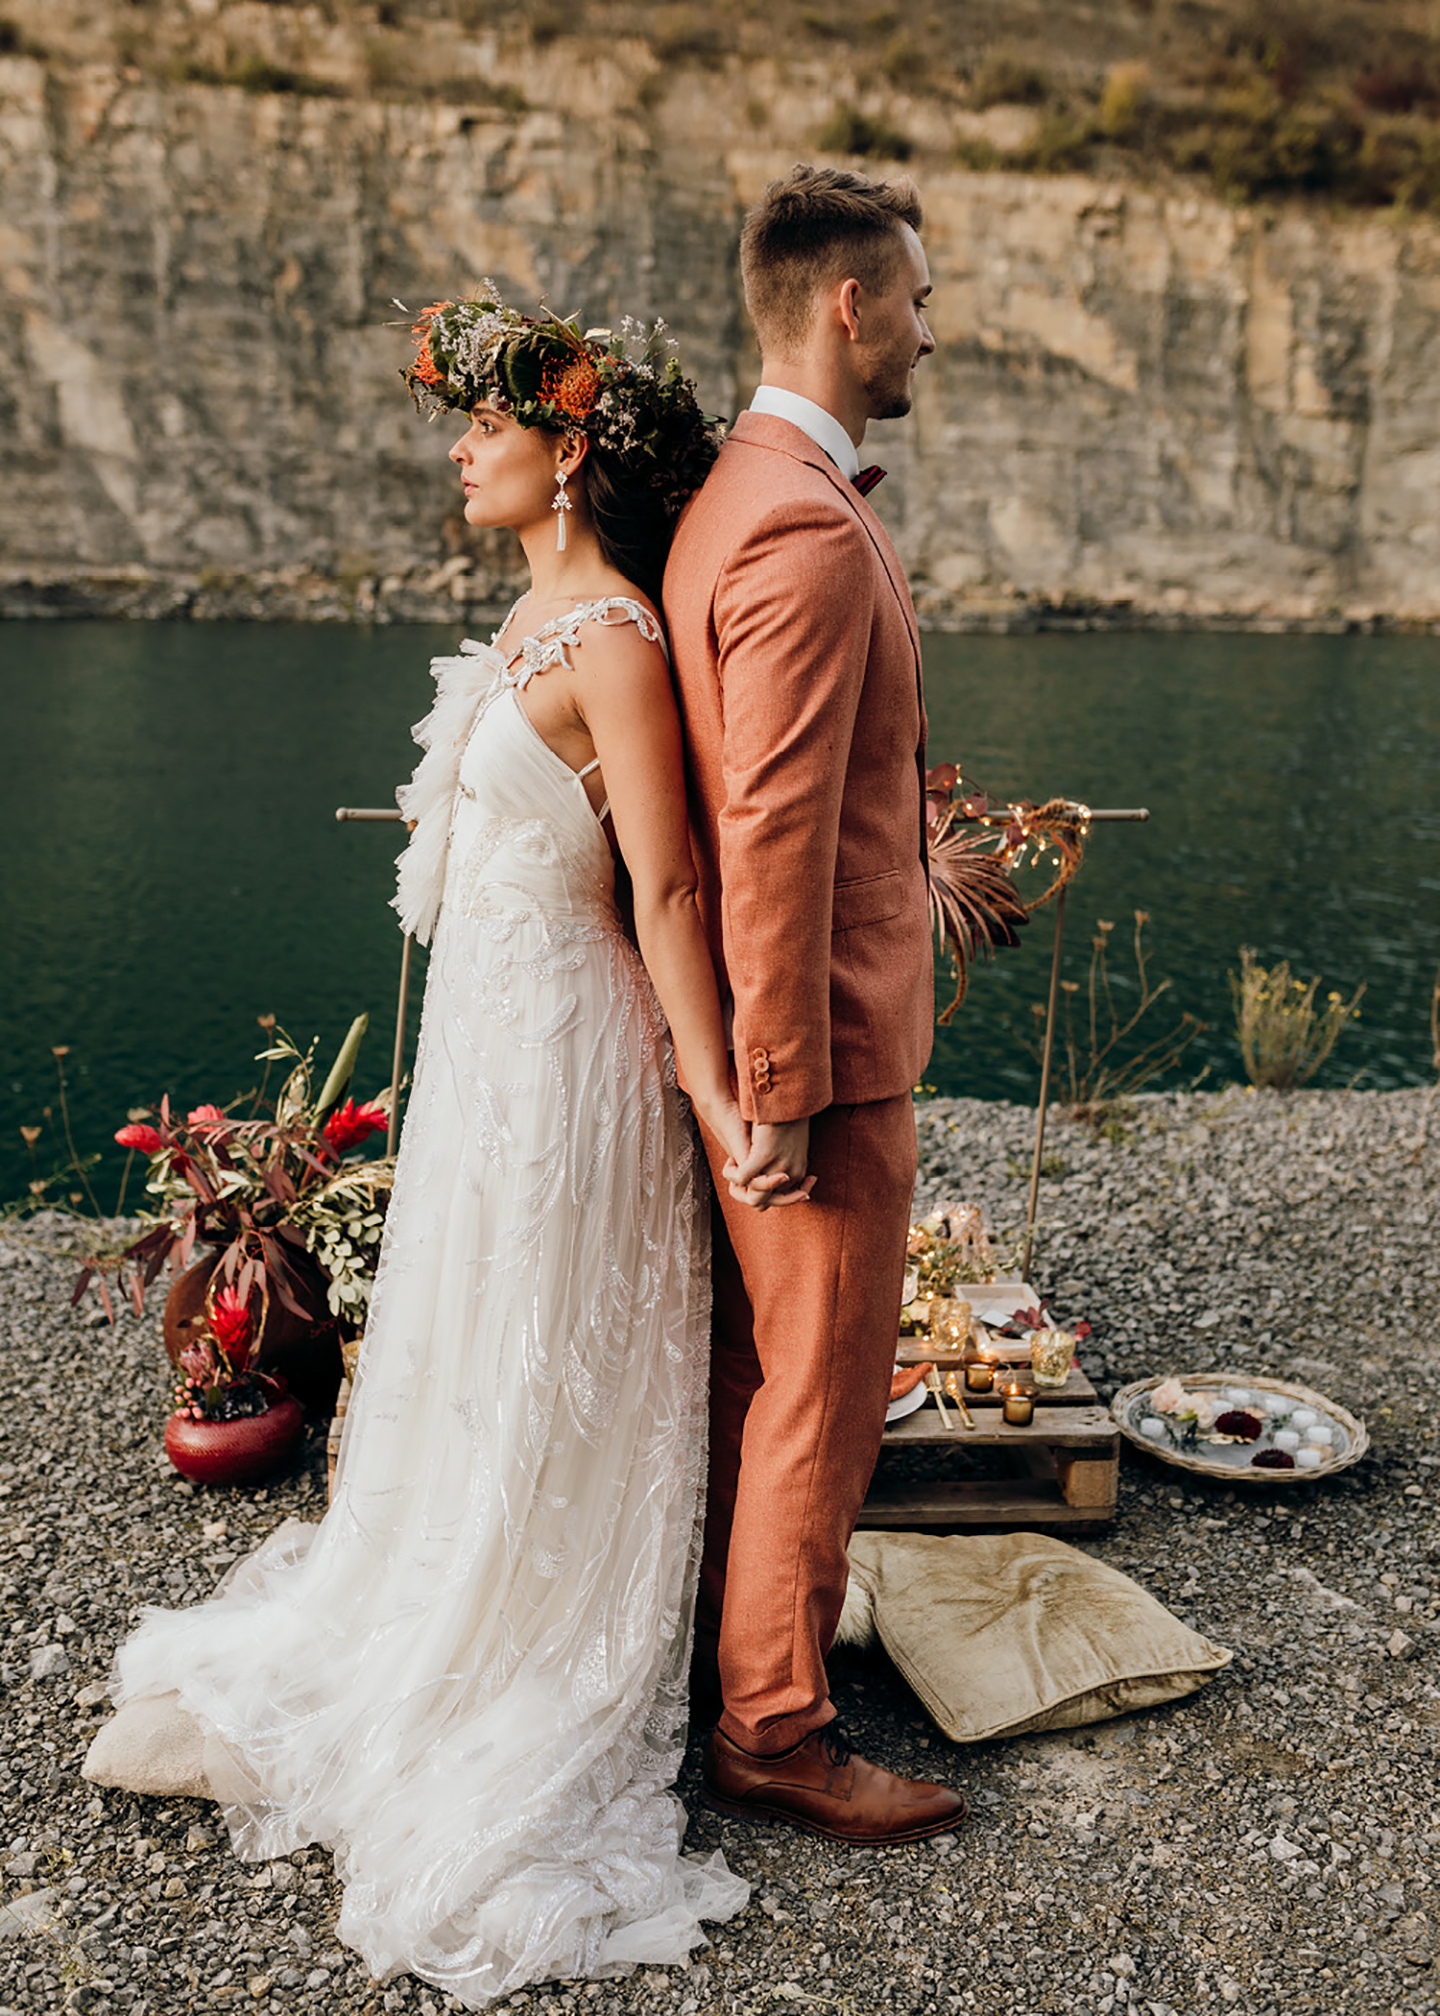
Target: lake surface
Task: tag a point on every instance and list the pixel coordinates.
(173, 868)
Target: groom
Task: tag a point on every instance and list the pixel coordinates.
(798, 666)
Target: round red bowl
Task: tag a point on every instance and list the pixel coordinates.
(234, 1452)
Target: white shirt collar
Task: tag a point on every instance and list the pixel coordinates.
(822, 427)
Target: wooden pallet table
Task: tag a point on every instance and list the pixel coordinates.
(1063, 1470)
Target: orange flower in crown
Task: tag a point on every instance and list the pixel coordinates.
(425, 369)
(573, 387)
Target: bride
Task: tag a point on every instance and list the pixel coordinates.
(469, 1680)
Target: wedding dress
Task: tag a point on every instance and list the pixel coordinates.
(469, 1680)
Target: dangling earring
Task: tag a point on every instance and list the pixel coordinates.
(562, 506)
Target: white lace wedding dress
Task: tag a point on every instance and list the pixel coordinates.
(469, 1680)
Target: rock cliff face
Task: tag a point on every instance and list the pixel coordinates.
(1144, 404)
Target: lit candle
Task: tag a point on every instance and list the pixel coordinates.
(1286, 1438)
(979, 1378)
(1322, 1434)
(1309, 1459)
(1153, 1427)
(1019, 1406)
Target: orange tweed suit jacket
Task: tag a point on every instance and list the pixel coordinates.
(797, 662)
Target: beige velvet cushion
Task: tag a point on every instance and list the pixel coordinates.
(1000, 1633)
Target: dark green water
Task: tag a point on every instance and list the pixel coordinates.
(173, 869)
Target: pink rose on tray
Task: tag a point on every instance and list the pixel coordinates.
(1170, 1397)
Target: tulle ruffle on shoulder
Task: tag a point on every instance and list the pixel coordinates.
(461, 683)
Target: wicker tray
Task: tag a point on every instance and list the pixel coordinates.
(1230, 1461)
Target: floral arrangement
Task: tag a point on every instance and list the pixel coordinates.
(624, 388)
(975, 906)
(948, 1247)
(219, 1380)
(297, 1216)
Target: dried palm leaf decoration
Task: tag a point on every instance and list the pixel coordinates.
(975, 906)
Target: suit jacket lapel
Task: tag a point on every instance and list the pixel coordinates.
(768, 430)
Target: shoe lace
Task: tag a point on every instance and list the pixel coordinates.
(838, 1747)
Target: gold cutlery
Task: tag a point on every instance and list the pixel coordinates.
(933, 1386)
(952, 1387)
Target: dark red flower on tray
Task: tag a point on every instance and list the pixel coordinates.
(1244, 1427)
(350, 1124)
(146, 1139)
(1272, 1459)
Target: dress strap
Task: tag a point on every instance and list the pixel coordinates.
(549, 644)
(593, 764)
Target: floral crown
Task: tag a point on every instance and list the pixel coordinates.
(623, 389)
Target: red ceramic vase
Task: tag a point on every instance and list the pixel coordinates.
(234, 1452)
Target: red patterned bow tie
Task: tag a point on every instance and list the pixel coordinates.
(867, 479)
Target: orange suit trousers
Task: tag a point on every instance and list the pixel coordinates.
(806, 1316)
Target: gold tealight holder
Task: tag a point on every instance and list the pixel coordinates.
(1018, 1405)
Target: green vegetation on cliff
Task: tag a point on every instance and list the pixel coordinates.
(1257, 97)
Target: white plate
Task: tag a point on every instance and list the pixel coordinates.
(907, 1403)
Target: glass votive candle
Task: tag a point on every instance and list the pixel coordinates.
(979, 1376)
(1153, 1427)
(950, 1319)
(1309, 1458)
(1019, 1406)
(1287, 1438)
(1050, 1354)
(1238, 1396)
(1303, 1417)
(1322, 1434)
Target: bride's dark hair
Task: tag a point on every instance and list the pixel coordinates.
(634, 517)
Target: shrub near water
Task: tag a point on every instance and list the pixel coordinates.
(1284, 1037)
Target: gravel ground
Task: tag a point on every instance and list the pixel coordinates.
(1267, 1844)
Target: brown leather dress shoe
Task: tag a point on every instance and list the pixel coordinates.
(823, 1787)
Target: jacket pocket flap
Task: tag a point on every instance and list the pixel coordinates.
(869, 899)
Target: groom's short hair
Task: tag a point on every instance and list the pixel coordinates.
(814, 228)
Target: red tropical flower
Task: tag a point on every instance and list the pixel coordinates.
(231, 1319)
(230, 1327)
(146, 1139)
(350, 1124)
(203, 1118)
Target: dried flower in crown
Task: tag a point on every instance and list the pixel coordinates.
(625, 391)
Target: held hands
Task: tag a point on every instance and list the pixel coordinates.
(773, 1169)
(763, 1167)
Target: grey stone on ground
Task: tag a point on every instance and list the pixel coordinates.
(1268, 1845)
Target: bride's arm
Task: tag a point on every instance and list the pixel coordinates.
(623, 692)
